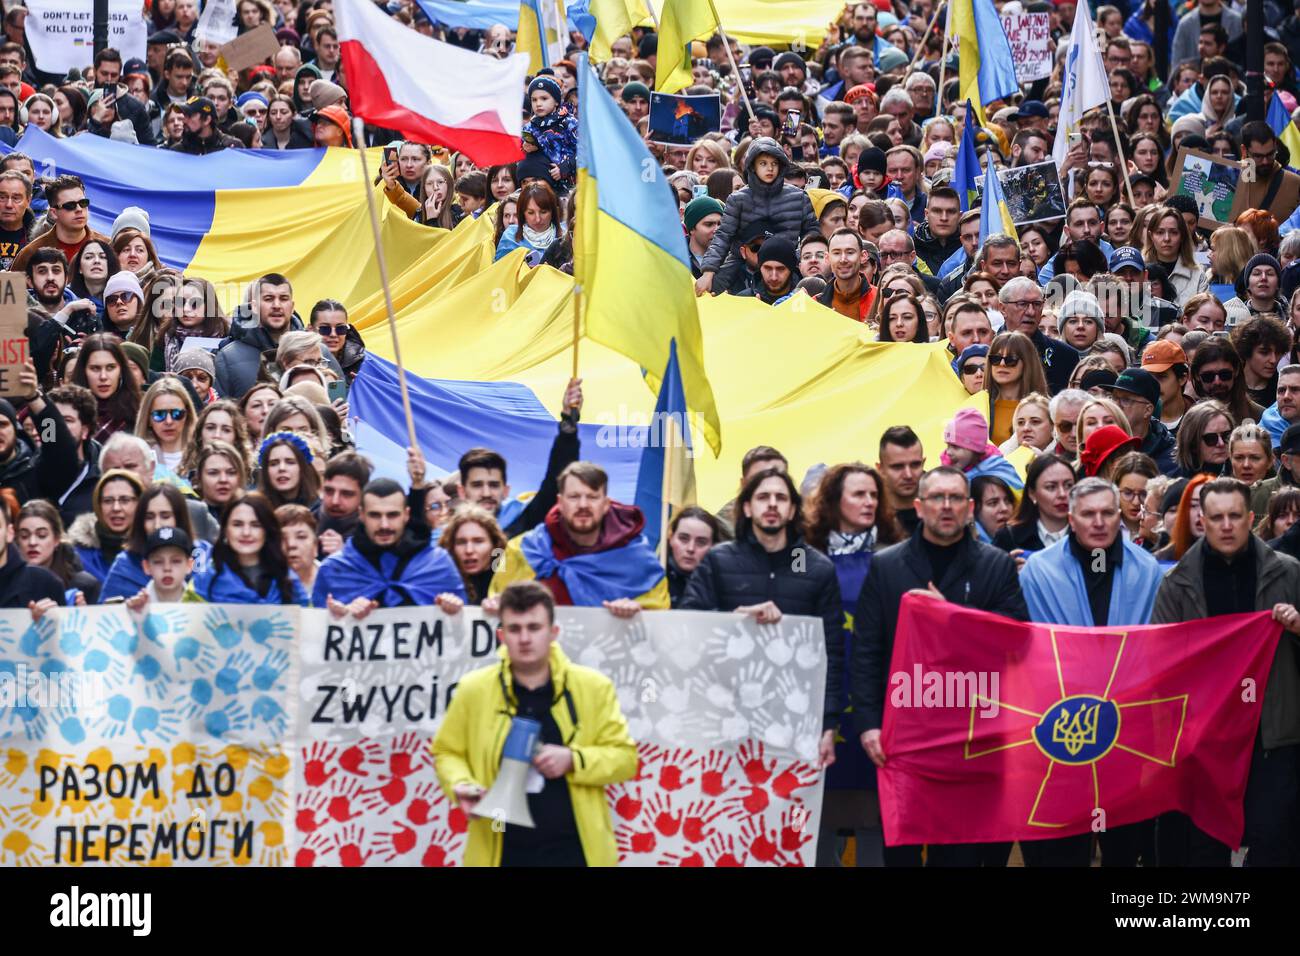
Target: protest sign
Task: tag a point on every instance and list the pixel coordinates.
(251, 49)
(13, 330)
(682, 120)
(218, 23)
(1033, 193)
(62, 32)
(1211, 181)
(214, 734)
(1030, 37)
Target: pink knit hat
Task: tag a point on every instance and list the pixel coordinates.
(969, 429)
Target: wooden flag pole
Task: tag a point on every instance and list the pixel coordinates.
(943, 71)
(726, 45)
(1123, 160)
(920, 47)
(358, 136)
(654, 17)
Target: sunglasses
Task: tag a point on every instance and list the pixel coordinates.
(1216, 438)
(118, 298)
(970, 368)
(74, 204)
(333, 329)
(1011, 361)
(162, 414)
(1222, 375)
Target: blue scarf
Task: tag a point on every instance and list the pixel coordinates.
(627, 571)
(349, 574)
(1056, 592)
(227, 587)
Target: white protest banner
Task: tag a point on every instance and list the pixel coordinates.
(62, 32)
(1030, 36)
(726, 716)
(218, 734)
(217, 24)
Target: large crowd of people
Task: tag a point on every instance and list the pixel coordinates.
(1141, 362)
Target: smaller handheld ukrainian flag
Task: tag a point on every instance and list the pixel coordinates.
(1279, 121)
(680, 22)
(986, 70)
(968, 162)
(542, 34)
(630, 262)
(994, 205)
(665, 483)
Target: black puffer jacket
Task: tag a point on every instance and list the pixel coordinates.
(798, 579)
(786, 210)
(21, 582)
(980, 577)
(931, 250)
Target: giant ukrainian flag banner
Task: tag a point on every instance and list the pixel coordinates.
(629, 253)
(213, 735)
(1030, 731)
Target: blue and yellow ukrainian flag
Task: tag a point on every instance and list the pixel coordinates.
(968, 162)
(680, 22)
(629, 253)
(1279, 120)
(666, 482)
(542, 33)
(994, 207)
(611, 19)
(986, 70)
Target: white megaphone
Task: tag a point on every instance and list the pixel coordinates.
(507, 800)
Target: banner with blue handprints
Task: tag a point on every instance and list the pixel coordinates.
(154, 738)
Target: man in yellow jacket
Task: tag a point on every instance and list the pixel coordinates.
(585, 743)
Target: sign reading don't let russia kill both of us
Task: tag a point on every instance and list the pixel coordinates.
(62, 32)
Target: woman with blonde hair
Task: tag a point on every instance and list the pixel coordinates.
(1098, 412)
(705, 157)
(1250, 453)
(166, 421)
(1230, 249)
(1014, 370)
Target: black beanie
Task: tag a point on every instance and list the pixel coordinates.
(779, 249)
(7, 410)
(873, 158)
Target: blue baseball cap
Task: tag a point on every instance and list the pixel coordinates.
(1127, 257)
(1031, 109)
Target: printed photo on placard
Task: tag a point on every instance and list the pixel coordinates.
(682, 120)
(1033, 193)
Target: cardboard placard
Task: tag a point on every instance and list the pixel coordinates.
(14, 346)
(1211, 181)
(251, 49)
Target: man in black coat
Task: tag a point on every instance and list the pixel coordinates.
(1021, 302)
(769, 571)
(941, 559)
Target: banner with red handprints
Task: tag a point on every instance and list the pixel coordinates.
(726, 715)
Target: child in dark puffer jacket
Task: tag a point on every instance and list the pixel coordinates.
(552, 130)
(765, 196)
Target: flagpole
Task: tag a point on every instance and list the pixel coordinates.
(943, 70)
(654, 17)
(1123, 160)
(735, 69)
(920, 47)
(666, 487)
(577, 314)
(358, 134)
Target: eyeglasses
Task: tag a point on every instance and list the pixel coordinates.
(74, 204)
(1032, 304)
(162, 414)
(887, 254)
(1128, 401)
(1216, 438)
(1222, 375)
(1264, 157)
(970, 368)
(1132, 494)
(1066, 427)
(890, 293)
(1010, 361)
(333, 329)
(945, 500)
(121, 502)
(118, 298)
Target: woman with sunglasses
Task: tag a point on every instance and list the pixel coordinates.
(101, 366)
(248, 563)
(971, 367)
(166, 421)
(123, 304)
(161, 506)
(179, 308)
(1014, 371)
(329, 320)
(1203, 438)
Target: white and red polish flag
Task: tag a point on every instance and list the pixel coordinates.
(430, 91)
